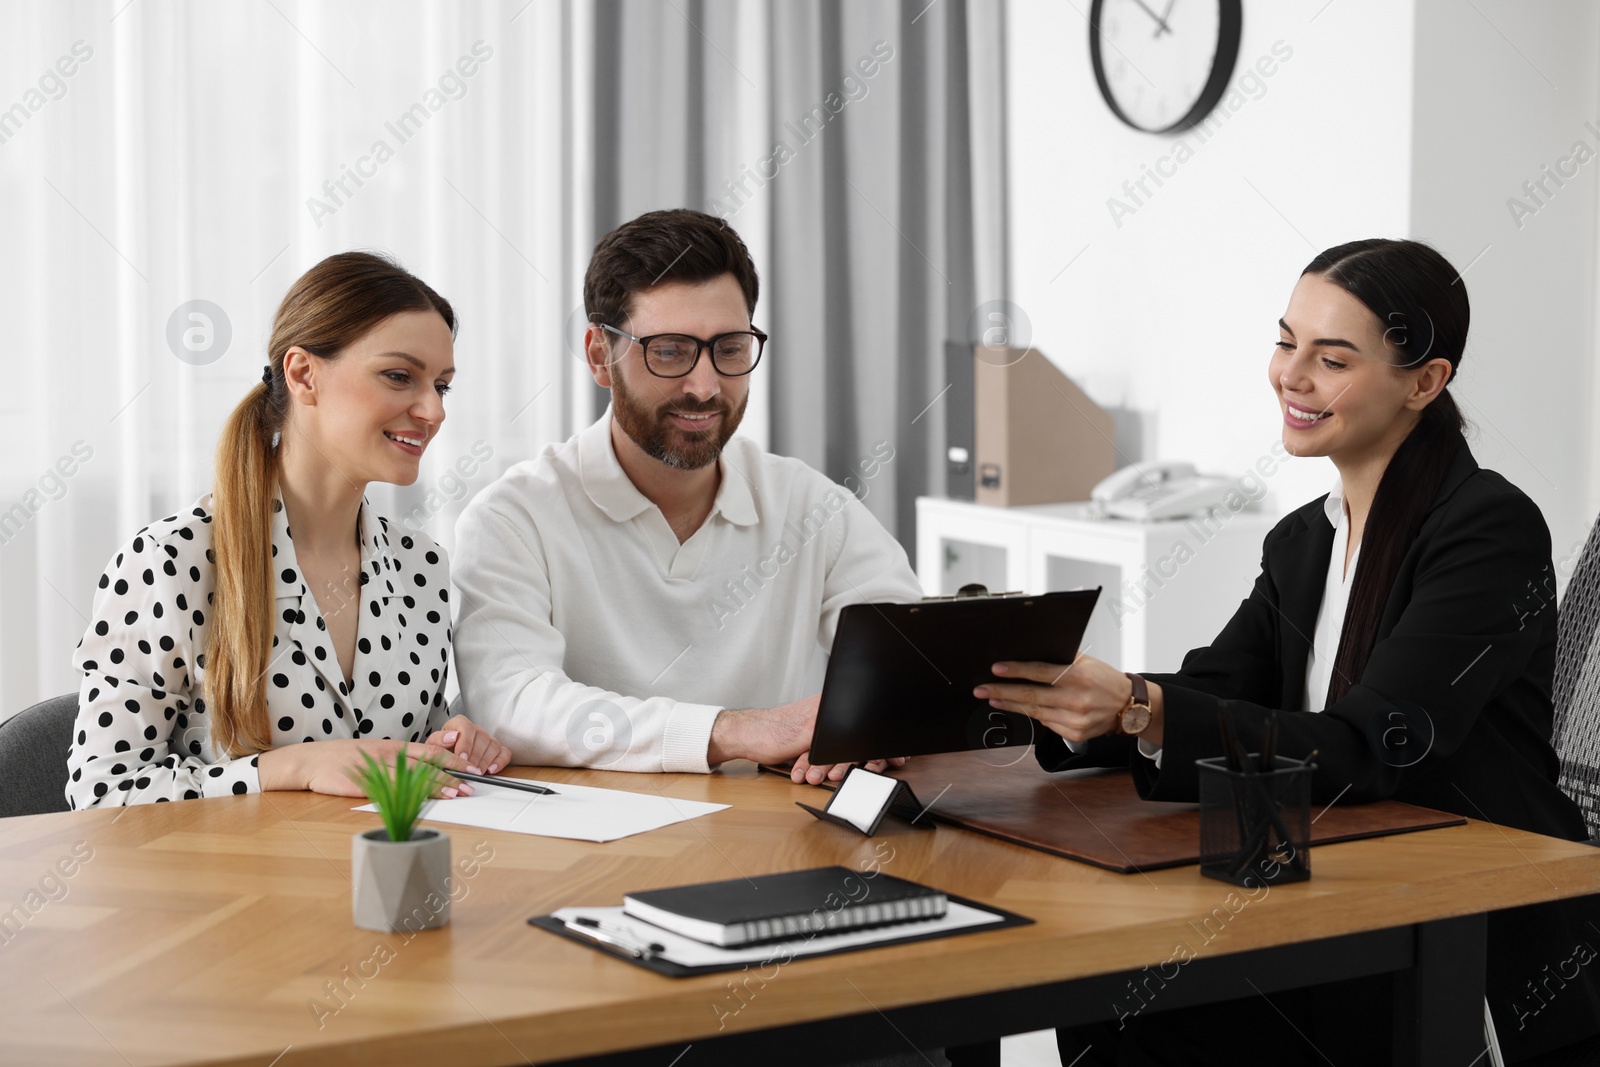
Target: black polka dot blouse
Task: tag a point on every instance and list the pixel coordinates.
(142, 734)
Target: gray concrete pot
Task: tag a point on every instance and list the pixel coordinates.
(400, 886)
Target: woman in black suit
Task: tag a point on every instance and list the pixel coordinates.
(1395, 627)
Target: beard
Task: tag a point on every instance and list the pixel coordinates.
(678, 448)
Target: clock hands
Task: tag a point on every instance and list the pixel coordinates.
(1161, 20)
(1167, 13)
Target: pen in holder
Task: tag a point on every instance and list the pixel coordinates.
(1255, 825)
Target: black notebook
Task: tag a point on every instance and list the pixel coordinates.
(744, 911)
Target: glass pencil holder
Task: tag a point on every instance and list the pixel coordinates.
(1255, 826)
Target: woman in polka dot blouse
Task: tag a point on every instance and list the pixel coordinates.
(281, 608)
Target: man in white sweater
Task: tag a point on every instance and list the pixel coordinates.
(657, 594)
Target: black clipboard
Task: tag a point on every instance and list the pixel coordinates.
(666, 967)
(900, 676)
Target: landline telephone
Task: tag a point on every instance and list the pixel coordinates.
(1149, 492)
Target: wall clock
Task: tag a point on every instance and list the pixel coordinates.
(1162, 65)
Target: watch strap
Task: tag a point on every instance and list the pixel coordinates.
(1140, 696)
(1141, 690)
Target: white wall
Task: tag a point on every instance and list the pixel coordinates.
(1390, 118)
(1500, 95)
(1174, 311)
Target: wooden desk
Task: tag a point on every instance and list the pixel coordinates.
(210, 932)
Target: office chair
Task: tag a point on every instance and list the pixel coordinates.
(33, 757)
(1577, 726)
(1577, 685)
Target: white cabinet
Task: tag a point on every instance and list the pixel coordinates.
(1168, 586)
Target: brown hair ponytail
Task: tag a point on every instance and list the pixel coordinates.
(331, 305)
(1422, 303)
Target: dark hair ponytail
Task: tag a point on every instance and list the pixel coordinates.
(1422, 303)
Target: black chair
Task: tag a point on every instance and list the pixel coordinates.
(1577, 685)
(33, 757)
(1577, 726)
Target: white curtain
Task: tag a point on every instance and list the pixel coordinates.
(858, 147)
(154, 153)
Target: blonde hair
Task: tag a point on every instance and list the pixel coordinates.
(330, 306)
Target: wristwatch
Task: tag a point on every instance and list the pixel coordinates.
(1134, 719)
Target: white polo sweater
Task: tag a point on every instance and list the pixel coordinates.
(588, 636)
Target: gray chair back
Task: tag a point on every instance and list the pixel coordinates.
(33, 757)
(1577, 684)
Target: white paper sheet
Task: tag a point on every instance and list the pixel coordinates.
(578, 812)
(691, 953)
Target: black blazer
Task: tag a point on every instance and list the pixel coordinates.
(1462, 670)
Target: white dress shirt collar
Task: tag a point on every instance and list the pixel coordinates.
(1335, 600)
(614, 493)
(1333, 506)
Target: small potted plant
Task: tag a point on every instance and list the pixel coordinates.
(399, 874)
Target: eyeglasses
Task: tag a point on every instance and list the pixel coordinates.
(673, 355)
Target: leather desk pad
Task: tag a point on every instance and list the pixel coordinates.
(1097, 817)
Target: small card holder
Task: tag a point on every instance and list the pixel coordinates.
(864, 798)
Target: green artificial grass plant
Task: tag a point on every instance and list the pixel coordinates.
(398, 791)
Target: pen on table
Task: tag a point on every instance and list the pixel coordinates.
(509, 783)
(1230, 743)
(1269, 744)
(1230, 751)
(591, 928)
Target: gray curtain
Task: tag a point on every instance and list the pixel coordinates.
(838, 138)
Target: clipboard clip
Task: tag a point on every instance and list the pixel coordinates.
(974, 591)
(593, 931)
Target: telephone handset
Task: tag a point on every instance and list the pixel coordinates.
(1149, 492)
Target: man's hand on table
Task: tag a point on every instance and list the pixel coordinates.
(777, 735)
